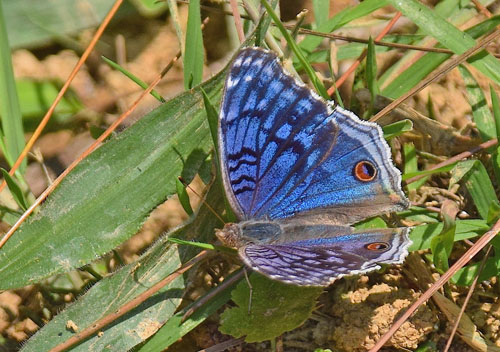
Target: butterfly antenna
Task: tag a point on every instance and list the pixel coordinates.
(202, 199)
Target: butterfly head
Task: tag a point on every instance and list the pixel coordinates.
(230, 235)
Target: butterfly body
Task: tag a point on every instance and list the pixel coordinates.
(297, 172)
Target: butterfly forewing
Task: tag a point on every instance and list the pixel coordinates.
(287, 153)
(269, 132)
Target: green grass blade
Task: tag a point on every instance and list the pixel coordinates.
(495, 107)
(15, 190)
(371, 72)
(478, 184)
(448, 35)
(409, 175)
(495, 156)
(343, 17)
(467, 274)
(397, 128)
(10, 111)
(193, 56)
(133, 78)
(481, 113)
(213, 122)
(423, 66)
(320, 88)
(422, 235)
(174, 15)
(442, 244)
(38, 23)
(411, 166)
(321, 10)
(183, 197)
(213, 119)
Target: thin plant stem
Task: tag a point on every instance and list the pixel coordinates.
(471, 252)
(356, 63)
(467, 299)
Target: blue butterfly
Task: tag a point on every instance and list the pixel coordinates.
(297, 172)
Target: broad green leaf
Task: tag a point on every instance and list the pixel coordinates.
(34, 23)
(175, 328)
(478, 184)
(111, 293)
(194, 53)
(105, 199)
(422, 235)
(276, 308)
(373, 223)
(480, 110)
(161, 259)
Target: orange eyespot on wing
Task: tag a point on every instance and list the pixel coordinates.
(365, 171)
(378, 246)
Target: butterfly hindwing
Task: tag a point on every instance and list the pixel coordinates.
(318, 262)
(287, 154)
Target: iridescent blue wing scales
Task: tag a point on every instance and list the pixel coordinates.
(288, 155)
(289, 162)
(263, 133)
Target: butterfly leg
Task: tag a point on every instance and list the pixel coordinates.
(250, 288)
